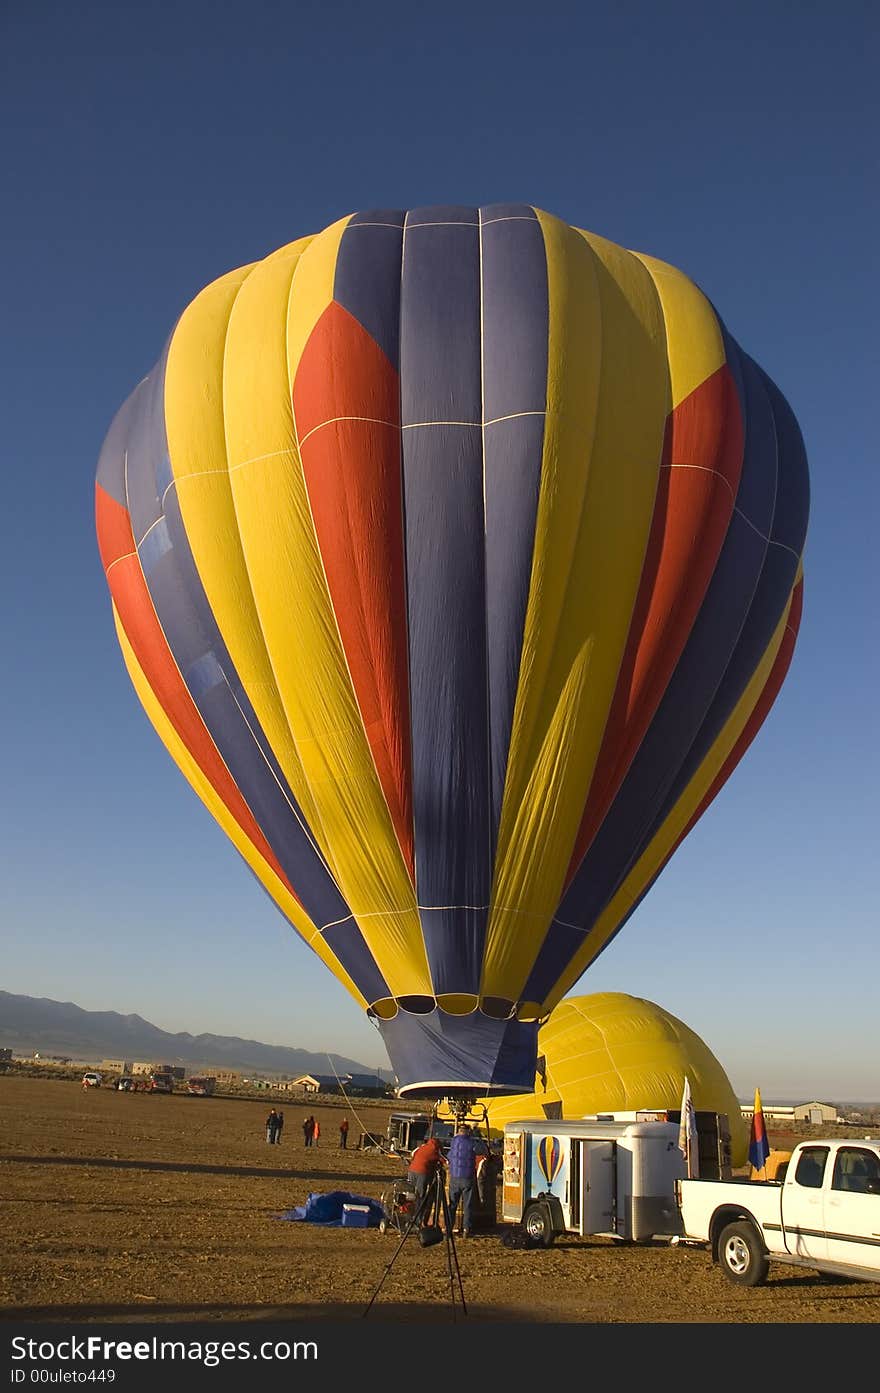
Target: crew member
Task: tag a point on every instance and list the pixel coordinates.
(425, 1164)
(463, 1152)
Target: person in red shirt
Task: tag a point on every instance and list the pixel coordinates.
(424, 1165)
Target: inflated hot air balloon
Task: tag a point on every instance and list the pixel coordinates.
(613, 1053)
(455, 556)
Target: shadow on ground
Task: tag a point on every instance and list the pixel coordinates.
(423, 1312)
(196, 1168)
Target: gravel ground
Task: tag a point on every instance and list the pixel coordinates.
(130, 1208)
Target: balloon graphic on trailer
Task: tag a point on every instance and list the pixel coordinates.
(455, 556)
(549, 1158)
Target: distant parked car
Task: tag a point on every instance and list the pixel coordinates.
(91, 1080)
(201, 1086)
(161, 1083)
(126, 1084)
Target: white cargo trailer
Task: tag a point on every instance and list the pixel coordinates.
(613, 1179)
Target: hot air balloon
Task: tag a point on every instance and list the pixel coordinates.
(455, 556)
(614, 1053)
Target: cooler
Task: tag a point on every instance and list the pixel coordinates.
(355, 1216)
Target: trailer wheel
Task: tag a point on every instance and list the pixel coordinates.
(538, 1226)
(742, 1256)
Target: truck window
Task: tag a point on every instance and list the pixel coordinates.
(811, 1167)
(853, 1169)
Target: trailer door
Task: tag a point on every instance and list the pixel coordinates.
(598, 1185)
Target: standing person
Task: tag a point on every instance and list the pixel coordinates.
(272, 1127)
(424, 1165)
(279, 1127)
(316, 1131)
(343, 1133)
(309, 1130)
(463, 1152)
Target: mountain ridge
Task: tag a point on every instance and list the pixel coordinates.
(29, 1023)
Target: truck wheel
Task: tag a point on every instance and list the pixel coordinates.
(538, 1226)
(742, 1256)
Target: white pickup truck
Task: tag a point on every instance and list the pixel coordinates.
(823, 1213)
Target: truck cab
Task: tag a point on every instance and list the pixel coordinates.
(830, 1206)
(824, 1214)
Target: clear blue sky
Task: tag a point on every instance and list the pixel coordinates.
(147, 150)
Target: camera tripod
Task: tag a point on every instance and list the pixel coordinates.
(433, 1207)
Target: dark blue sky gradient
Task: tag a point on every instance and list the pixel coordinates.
(147, 150)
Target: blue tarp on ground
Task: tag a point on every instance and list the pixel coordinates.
(327, 1209)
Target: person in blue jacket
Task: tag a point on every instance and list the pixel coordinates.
(462, 1162)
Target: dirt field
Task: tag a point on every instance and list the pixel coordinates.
(130, 1207)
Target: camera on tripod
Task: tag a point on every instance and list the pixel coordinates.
(426, 1218)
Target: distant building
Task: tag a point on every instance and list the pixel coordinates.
(817, 1114)
(366, 1084)
(360, 1084)
(115, 1066)
(308, 1083)
(227, 1075)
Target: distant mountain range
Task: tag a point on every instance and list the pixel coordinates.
(29, 1024)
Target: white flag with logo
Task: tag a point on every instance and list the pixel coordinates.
(688, 1142)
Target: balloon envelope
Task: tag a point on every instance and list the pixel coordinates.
(455, 558)
(610, 1052)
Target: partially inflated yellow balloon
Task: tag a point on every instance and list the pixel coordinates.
(610, 1052)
